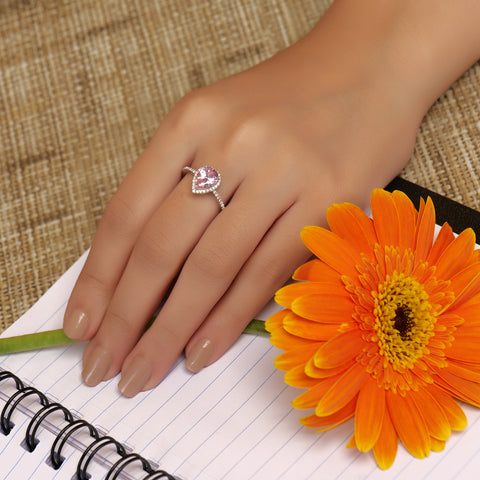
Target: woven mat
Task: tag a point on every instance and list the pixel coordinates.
(83, 86)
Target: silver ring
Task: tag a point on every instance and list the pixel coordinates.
(206, 180)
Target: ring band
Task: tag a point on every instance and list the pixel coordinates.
(206, 180)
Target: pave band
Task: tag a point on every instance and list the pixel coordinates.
(205, 180)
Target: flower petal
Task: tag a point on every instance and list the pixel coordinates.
(275, 321)
(324, 308)
(407, 219)
(316, 271)
(296, 356)
(288, 294)
(343, 391)
(369, 415)
(385, 450)
(453, 411)
(425, 230)
(353, 224)
(463, 349)
(310, 398)
(409, 424)
(459, 387)
(313, 371)
(330, 421)
(339, 350)
(465, 284)
(385, 217)
(296, 377)
(444, 238)
(311, 330)
(333, 250)
(456, 255)
(435, 418)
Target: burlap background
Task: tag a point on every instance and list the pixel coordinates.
(84, 84)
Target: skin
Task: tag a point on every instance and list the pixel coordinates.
(326, 120)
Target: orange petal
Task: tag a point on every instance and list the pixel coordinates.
(296, 356)
(437, 445)
(407, 219)
(310, 398)
(435, 418)
(470, 311)
(409, 424)
(339, 350)
(385, 450)
(369, 415)
(385, 217)
(330, 421)
(465, 284)
(353, 224)
(288, 294)
(459, 387)
(296, 377)
(275, 321)
(343, 391)
(425, 230)
(324, 308)
(333, 250)
(444, 238)
(456, 255)
(317, 271)
(352, 443)
(286, 341)
(313, 371)
(312, 330)
(464, 349)
(455, 415)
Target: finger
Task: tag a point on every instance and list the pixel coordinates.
(159, 252)
(269, 267)
(206, 275)
(150, 180)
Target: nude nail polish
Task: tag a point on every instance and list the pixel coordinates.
(199, 355)
(135, 377)
(76, 324)
(96, 366)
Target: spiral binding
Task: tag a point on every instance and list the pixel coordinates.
(73, 425)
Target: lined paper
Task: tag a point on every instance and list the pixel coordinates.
(233, 420)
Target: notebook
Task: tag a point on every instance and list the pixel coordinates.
(233, 420)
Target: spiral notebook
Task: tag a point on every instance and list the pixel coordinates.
(233, 420)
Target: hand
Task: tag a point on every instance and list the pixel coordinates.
(290, 136)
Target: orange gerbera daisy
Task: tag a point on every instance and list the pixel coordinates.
(384, 326)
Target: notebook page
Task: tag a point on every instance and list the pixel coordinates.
(232, 420)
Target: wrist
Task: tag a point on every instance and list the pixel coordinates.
(410, 49)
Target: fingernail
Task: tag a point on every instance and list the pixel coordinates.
(76, 324)
(199, 355)
(135, 377)
(96, 366)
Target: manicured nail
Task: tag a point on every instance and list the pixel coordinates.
(76, 324)
(199, 355)
(96, 366)
(135, 377)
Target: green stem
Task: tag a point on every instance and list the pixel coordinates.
(53, 338)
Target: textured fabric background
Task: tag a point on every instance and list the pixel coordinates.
(84, 84)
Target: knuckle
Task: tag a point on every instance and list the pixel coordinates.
(119, 218)
(194, 109)
(210, 262)
(153, 251)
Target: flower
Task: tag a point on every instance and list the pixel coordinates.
(384, 326)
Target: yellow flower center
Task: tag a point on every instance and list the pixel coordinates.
(404, 320)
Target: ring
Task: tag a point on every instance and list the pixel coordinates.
(206, 180)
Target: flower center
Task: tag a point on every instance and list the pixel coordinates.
(404, 320)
